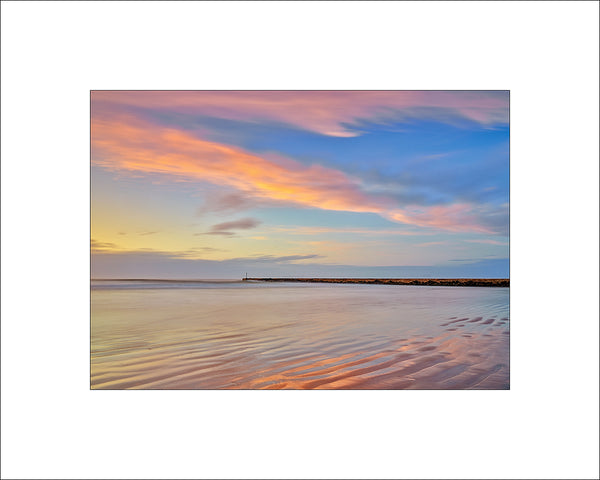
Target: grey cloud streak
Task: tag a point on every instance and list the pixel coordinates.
(242, 223)
(156, 264)
(226, 228)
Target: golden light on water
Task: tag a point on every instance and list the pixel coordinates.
(315, 337)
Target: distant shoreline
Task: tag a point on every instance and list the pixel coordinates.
(442, 282)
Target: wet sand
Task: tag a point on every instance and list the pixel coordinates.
(307, 337)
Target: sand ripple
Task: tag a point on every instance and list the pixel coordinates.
(241, 361)
(297, 351)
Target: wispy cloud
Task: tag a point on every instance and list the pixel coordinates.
(242, 223)
(97, 246)
(346, 230)
(226, 228)
(229, 202)
(334, 113)
(112, 250)
(207, 249)
(429, 244)
(225, 234)
(126, 144)
(234, 202)
(272, 258)
(193, 253)
(488, 241)
(156, 264)
(457, 217)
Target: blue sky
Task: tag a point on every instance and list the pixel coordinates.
(212, 184)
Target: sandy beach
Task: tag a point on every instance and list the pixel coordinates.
(245, 335)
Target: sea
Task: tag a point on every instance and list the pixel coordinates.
(232, 334)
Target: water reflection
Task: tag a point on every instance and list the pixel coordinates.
(308, 336)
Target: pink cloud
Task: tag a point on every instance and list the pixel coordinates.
(128, 145)
(456, 217)
(319, 111)
(429, 244)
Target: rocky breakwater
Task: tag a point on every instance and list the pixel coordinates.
(438, 282)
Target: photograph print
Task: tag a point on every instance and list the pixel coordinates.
(299, 240)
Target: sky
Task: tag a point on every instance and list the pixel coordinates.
(220, 184)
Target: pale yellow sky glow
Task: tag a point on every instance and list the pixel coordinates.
(300, 177)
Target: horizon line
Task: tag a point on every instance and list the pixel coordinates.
(293, 278)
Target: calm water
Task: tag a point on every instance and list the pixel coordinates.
(213, 335)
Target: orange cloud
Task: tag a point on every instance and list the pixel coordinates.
(456, 217)
(125, 143)
(325, 112)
